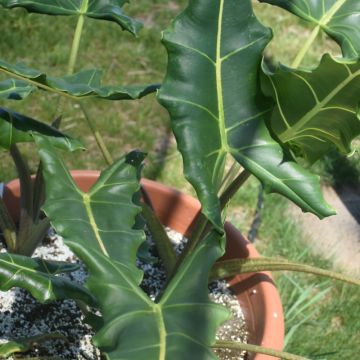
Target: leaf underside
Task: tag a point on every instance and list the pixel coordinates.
(40, 279)
(83, 84)
(99, 228)
(16, 128)
(212, 92)
(338, 18)
(13, 89)
(327, 113)
(110, 10)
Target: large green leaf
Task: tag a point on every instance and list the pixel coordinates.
(98, 227)
(338, 18)
(84, 84)
(101, 219)
(16, 128)
(328, 112)
(40, 279)
(212, 92)
(15, 89)
(110, 10)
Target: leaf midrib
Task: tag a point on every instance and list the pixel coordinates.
(219, 87)
(288, 134)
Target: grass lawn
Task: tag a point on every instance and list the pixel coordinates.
(323, 318)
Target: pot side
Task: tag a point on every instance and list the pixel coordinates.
(257, 293)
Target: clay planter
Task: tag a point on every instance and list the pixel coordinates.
(257, 293)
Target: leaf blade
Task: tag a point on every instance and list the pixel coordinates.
(83, 84)
(16, 128)
(216, 107)
(338, 18)
(110, 10)
(328, 112)
(39, 278)
(136, 327)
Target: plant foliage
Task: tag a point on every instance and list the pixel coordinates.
(84, 84)
(110, 10)
(183, 319)
(337, 18)
(326, 114)
(220, 53)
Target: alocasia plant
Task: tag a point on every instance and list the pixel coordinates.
(223, 103)
(16, 128)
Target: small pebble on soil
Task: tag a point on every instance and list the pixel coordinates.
(22, 316)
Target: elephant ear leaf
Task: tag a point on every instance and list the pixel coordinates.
(99, 227)
(326, 114)
(40, 279)
(16, 128)
(83, 84)
(212, 92)
(110, 10)
(338, 18)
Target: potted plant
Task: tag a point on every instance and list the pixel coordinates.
(223, 103)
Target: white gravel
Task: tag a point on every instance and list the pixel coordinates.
(22, 316)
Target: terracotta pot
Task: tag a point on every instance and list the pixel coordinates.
(257, 293)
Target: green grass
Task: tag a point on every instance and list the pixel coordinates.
(330, 327)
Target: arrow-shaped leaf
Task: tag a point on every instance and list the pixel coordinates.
(16, 128)
(213, 96)
(328, 111)
(182, 324)
(338, 18)
(110, 10)
(99, 228)
(15, 89)
(84, 84)
(39, 278)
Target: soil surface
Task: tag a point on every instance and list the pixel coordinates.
(336, 238)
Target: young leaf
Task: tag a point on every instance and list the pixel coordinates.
(338, 18)
(39, 278)
(213, 96)
(16, 128)
(83, 84)
(328, 111)
(13, 89)
(110, 10)
(99, 228)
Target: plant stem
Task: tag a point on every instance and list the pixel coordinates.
(300, 56)
(75, 45)
(26, 198)
(231, 190)
(161, 240)
(8, 227)
(228, 268)
(71, 68)
(203, 226)
(256, 349)
(99, 140)
(230, 175)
